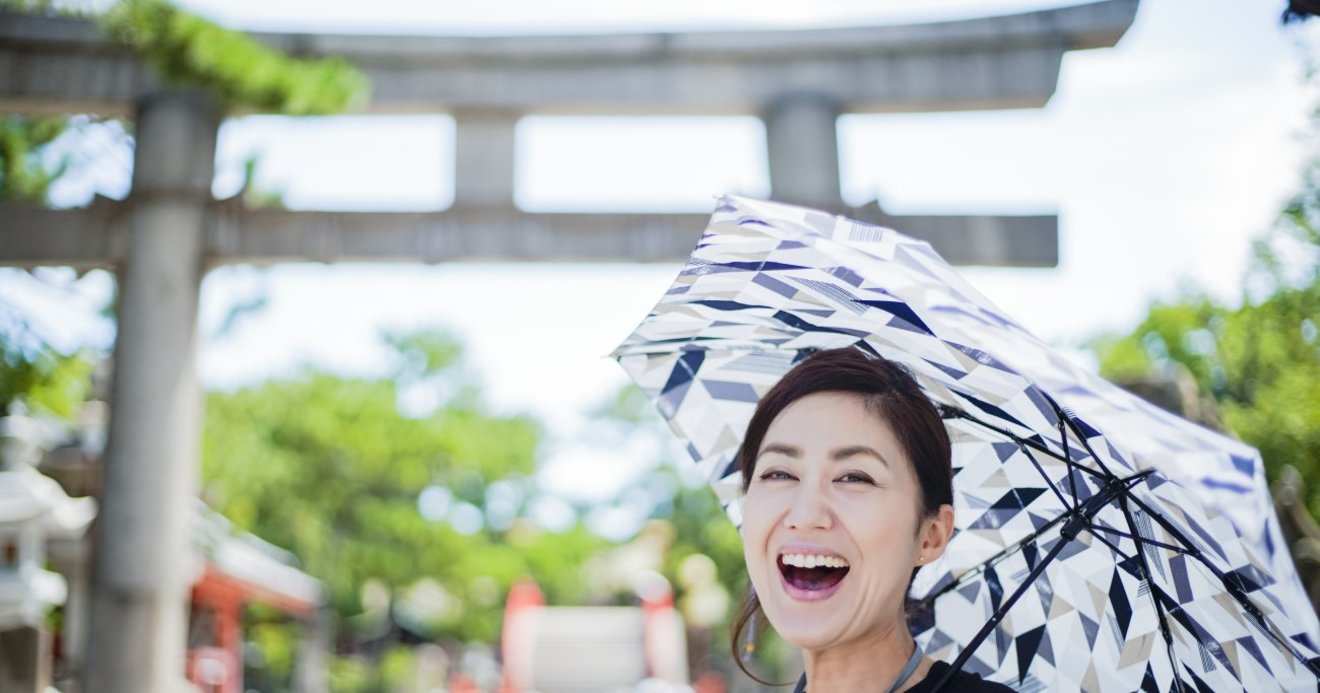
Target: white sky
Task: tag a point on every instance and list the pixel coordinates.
(1163, 157)
(441, 17)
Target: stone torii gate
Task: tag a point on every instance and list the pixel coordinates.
(163, 237)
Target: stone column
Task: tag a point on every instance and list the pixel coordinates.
(484, 157)
(70, 558)
(803, 150)
(143, 563)
(311, 672)
(24, 660)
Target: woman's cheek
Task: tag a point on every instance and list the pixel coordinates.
(754, 559)
(756, 512)
(754, 532)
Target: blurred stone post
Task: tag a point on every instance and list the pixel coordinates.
(802, 147)
(484, 153)
(312, 669)
(70, 558)
(142, 566)
(24, 660)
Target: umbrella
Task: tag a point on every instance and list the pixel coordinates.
(1100, 542)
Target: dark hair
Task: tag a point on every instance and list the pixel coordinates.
(888, 390)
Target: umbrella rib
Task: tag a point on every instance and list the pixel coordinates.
(1026, 446)
(999, 613)
(1144, 565)
(1034, 536)
(995, 559)
(1078, 519)
(1128, 483)
(1067, 450)
(1142, 540)
(1178, 683)
(1112, 546)
(1233, 590)
(1071, 418)
(1072, 424)
(959, 413)
(1027, 451)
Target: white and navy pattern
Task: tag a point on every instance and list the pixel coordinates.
(1161, 563)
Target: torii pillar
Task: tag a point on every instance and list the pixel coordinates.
(142, 563)
(802, 149)
(484, 154)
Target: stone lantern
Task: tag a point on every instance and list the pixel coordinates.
(34, 511)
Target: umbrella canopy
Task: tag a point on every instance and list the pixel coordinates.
(1100, 543)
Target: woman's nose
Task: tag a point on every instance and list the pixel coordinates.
(809, 509)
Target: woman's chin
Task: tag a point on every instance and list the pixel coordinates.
(809, 635)
(809, 625)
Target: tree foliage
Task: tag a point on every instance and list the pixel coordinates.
(699, 528)
(240, 71)
(26, 173)
(700, 524)
(35, 375)
(1260, 361)
(187, 51)
(334, 470)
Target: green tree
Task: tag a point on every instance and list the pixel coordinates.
(689, 505)
(186, 51)
(36, 376)
(699, 525)
(26, 173)
(336, 471)
(238, 70)
(1259, 361)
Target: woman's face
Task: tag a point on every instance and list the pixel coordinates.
(830, 523)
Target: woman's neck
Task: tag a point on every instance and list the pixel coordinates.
(865, 664)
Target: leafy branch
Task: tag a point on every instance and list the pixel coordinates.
(237, 69)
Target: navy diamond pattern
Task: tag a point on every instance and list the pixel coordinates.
(1159, 553)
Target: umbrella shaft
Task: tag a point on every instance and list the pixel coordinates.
(995, 618)
(1081, 517)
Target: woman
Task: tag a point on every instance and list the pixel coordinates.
(848, 491)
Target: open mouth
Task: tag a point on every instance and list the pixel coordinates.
(812, 573)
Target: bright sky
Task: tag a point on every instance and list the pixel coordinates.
(448, 17)
(1162, 157)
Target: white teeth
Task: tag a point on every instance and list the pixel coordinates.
(799, 560)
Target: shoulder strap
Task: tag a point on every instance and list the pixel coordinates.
(908, 668)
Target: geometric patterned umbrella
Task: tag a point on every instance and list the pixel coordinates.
(1101, 543)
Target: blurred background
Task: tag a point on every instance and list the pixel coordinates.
(418, 227)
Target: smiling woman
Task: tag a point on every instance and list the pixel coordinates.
(848, 492)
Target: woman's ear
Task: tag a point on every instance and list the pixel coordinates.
(936, 531)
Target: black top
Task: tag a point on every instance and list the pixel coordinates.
(962, 682)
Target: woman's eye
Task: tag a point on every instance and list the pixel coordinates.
(776, 475)
(856, 477)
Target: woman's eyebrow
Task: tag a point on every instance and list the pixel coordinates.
(846, 452)
(781, 448)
